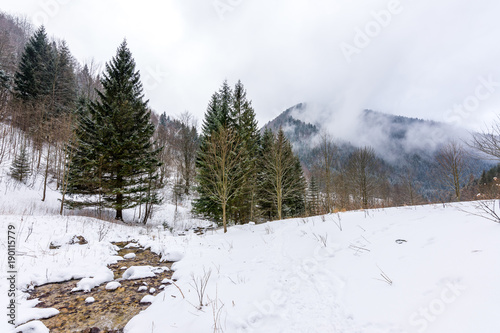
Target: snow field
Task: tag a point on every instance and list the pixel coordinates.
(401, 270)
(280, 276)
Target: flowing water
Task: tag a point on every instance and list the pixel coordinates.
(112, 309)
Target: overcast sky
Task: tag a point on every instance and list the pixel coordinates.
(435, 59)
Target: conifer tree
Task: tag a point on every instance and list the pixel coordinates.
(313, 197)
(245, 124)
(230, 111)
(5, 91)
(281, 176)
(20, 168)
(266, 204)
(217, 116)
(114, 162)
(35, 69)
(221, 182)
(483, 180)
(64, 89)
(295, 201)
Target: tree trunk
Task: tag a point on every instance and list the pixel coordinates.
(46, 174)
(280, 202)
(224, 217)
(119, 209)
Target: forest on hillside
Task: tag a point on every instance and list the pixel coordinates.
(90, 132)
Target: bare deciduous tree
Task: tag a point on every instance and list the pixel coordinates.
(488, 142)
(451, 167)
(87, 77)
(221, 159)
(186, 146)
(283, 173)
(363, 175)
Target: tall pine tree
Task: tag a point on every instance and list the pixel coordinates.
(64, 84)
(245, 124)
(229, 113)
(114, 163)
(266, 204)
(282, 181)
(217, 116)
(35, 69)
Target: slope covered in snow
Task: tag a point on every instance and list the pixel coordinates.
(422, 269)
(416, 269)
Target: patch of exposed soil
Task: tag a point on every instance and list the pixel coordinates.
(111, 310)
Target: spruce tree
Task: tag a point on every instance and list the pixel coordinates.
(229, 111)
(265, 199)
(245, 124)
(5, 90)
(204, 205)
(64, 87)
(281, 178)
(114, 163)
(20, 168)
(4, 81)
(313, 197)
(295, 202)
(483, 180)
(35, 69)
(217, 116)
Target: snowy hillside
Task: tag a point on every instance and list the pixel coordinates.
(308, 276)
(414, 269)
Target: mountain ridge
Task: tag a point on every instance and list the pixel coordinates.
(400, 142)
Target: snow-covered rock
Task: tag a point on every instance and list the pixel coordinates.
(87, 284)
(113, 285)
(34, 326)
(129, 256)
(138, 272)
(147, 299)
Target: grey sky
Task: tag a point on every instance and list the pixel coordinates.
(414, 58)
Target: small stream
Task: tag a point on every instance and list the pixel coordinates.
(111, 310)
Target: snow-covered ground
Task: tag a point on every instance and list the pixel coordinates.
(303, 275)
(432, 268)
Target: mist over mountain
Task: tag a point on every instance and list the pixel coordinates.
(389, 135)
(401, 143)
